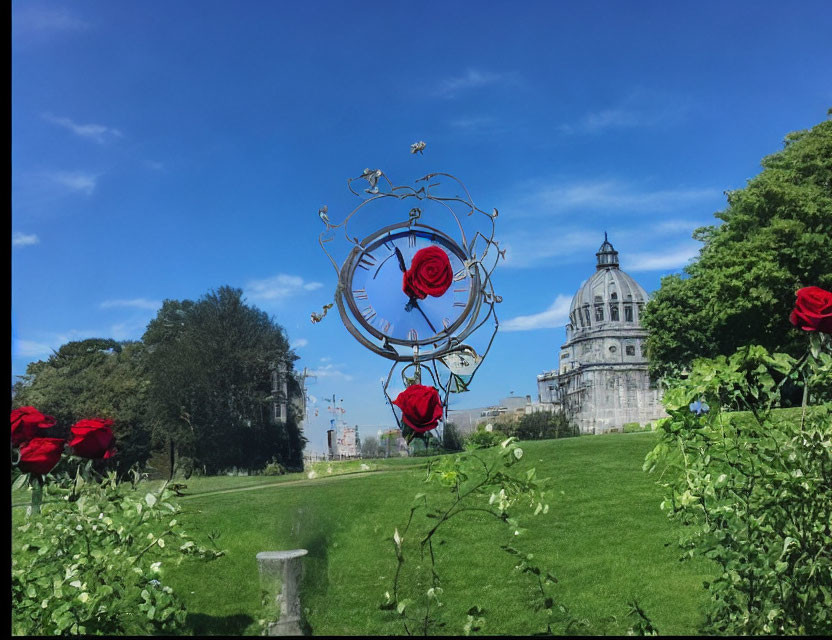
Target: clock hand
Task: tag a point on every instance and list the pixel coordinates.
(401, 259)
(415, 305)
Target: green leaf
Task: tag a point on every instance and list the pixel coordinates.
(21, 481)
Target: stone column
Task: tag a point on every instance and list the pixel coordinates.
(280, 575)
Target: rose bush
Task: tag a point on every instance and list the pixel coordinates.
(754, 489)
(813, 310)
(99, 565)
(26, 422)
(421, 407)
(92, 562)
(430, 274)
(93, 438)
(38, 455)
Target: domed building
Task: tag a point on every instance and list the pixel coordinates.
(602, 378)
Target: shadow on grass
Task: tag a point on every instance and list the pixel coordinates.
(315, 575)
(204, 625)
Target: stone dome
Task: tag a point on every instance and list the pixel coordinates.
(608, 299)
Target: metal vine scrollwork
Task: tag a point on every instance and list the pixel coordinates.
(439, 204)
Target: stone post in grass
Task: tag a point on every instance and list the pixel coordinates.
(280, 575)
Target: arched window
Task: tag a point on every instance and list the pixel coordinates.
(599, 313)
(613, 296)
(614, 311)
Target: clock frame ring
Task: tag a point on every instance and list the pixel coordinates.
(453, 336)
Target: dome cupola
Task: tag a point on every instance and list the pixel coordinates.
(609, 299)
(607, 255)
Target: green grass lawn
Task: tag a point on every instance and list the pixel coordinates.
(604, 537)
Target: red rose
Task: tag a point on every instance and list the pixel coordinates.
(421, 407)
(40, 455)
(93, 438)
(430, 274)
(25, 424)
(813, 310)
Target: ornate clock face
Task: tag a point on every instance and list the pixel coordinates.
(372, 286)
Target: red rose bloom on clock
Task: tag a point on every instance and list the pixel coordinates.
(421, 407)
(430, 274)
(813, 310)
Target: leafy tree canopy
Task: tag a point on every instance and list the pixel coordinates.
(211, 364)
(775, 237)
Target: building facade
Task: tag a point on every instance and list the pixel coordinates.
(602, 379)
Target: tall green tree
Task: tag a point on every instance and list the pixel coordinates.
(211, 395)
(94, 378)
(775, 237)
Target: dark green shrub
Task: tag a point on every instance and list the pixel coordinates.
(482, 439)
(452, 439)
(632, 427)
(274, 468)
(542, 426)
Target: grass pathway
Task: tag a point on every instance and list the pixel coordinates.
(294, 483)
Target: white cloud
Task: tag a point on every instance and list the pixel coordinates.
(529, 248)
(75, 181)
(473, 79)
(136, 303)
(669, 259)
(553, 317)
(40, 20)
(97, 132)
(130, 330)
(640, 109)
(31, 349)
(616, 195)
(330, 371)
(23, 348)
(24, 240)
(278, 287)
(299, 343)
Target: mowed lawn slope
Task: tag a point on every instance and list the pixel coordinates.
(604, 538)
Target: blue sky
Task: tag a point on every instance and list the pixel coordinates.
(163, 149)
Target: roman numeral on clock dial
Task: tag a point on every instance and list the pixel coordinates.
(366, 261)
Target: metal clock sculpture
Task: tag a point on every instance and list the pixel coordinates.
(417, 291)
